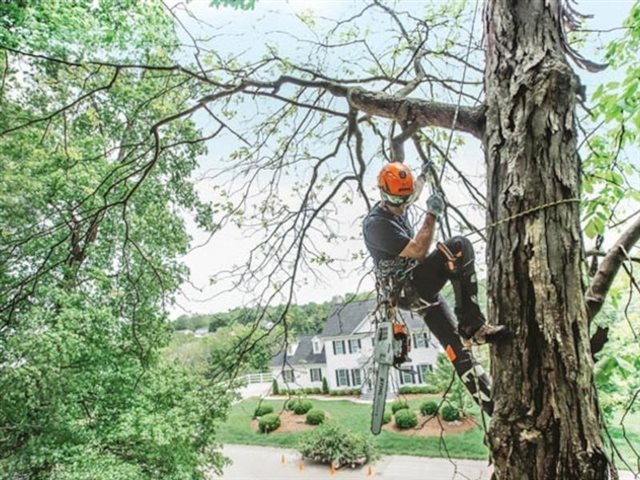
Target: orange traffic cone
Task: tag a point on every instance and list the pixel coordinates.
(370, 472)
(333, 469)
(301, 466)
(282, 460)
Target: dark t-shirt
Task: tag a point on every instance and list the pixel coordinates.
(385, 234)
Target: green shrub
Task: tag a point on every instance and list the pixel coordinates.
(406, 418)
(312, 390)
(386, 418)
(269, 422)
(302, 406)
(418, 389)
(432, 389)
(450, 413)
(343, 392)
(315, 417)
(274, 387)
(325, 386)
(429, 408)
(331, 443)
(262, 410)
(399, 405)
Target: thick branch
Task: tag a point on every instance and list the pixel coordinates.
(425, 113)
(609, 267)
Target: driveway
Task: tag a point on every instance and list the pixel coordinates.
(269, 463)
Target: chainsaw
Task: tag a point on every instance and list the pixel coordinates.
(391, 348)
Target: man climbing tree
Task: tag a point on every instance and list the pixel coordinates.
(413, 279)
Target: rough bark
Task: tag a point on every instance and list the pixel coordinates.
(546, 424)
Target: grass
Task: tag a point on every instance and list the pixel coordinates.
(355, 417)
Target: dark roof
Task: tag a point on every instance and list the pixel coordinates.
(303, 354)
(345, 317)
(413, 321)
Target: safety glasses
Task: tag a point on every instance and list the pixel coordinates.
(395, 200)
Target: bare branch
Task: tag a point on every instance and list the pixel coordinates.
(609, 267)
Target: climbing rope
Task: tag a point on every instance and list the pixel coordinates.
(526, 212)
(464, 75)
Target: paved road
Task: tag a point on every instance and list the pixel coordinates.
(265, 463)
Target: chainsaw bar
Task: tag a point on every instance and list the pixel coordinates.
(383, 356)
(379, 398)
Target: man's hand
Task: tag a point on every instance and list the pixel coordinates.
(435, 205)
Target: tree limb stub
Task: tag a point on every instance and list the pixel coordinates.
(610, 265)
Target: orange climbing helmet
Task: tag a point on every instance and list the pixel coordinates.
(395, 181)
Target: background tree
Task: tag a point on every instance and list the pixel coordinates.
(87, 266)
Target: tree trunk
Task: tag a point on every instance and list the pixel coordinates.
(546, 423)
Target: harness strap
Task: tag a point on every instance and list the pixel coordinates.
(452, 259)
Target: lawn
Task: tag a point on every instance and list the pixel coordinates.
(356, 417)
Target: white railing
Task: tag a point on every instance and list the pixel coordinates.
(258, 377)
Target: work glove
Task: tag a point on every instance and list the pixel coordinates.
(435, 205)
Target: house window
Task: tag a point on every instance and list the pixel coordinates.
(356, 377)
(288, 376)
(338, 347)
(423, 372)
(355, 345)
(406, 377)
(316, 346)
(316, 374)
(342, 378)
(421, 340)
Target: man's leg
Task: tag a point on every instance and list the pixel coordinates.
(454, 260)
(442, 324)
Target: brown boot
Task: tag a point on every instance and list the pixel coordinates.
(485, 334)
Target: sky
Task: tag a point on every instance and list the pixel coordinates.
(244, 34)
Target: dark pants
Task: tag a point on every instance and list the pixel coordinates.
(432, 273)
(442, 324)
(428, 278)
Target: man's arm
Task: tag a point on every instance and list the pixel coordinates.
(419, 246)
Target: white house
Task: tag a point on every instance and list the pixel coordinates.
(343, 353)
